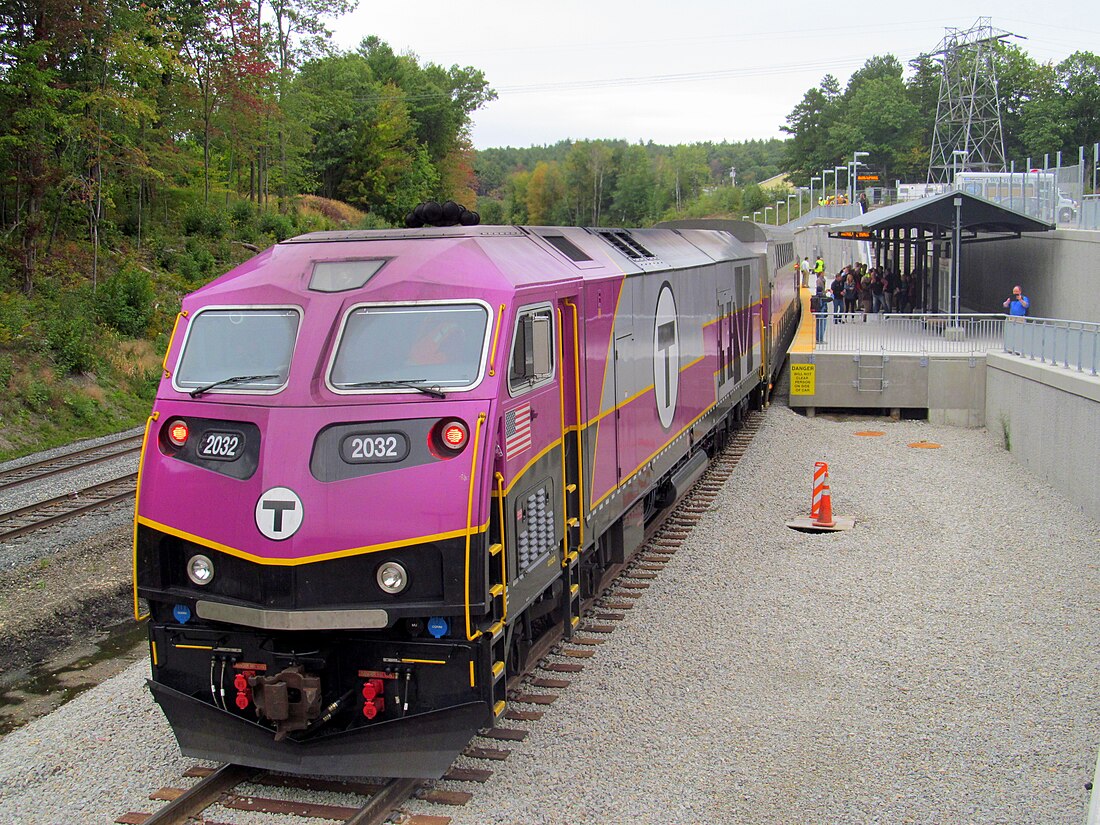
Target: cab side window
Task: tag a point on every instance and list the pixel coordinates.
(532, 361)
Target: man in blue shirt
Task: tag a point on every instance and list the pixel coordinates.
(1018, 303)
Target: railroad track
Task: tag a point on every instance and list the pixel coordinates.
(60, 508)
(219, 787)
(75, 460)
(619, 591)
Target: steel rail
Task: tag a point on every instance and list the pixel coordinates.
(75, 460)
(200, 796)
(65, 506)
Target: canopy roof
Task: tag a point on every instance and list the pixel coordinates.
(936, 216)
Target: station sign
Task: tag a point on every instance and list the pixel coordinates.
(854, 236)
(866, 177)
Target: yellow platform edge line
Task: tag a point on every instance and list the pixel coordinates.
(804, 338)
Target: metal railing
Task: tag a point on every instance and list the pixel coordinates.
(910, 333)
(1069, 344)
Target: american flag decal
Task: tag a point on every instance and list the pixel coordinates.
(517, 430)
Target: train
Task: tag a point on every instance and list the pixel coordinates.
(382, 465)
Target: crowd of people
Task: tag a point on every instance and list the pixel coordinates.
(856, 292)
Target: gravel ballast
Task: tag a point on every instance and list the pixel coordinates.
(938, 663)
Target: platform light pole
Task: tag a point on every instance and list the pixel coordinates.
(836, 180)
(812, 201)
(754, 214)
(766, 208)
(744, 217)
(802, 189)
(854, 176)
(824, 183)
(789, 196)
(777, 205)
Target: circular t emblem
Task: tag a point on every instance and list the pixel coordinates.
(666, 356)
(279, 513)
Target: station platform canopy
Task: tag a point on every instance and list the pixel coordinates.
(918, 236)
(935, 218)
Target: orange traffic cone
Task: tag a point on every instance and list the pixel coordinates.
(821, 507)
(825, 511)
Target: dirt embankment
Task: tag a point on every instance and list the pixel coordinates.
(68, 596)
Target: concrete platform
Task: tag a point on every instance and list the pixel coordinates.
(894, 363)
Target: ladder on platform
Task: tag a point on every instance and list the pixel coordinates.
(871, 372)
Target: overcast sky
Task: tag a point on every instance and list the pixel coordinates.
(681, 71)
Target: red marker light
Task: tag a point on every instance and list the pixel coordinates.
(455, 435)
(178, 431)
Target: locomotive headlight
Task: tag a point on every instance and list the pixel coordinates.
(200, 570)
(392, 577)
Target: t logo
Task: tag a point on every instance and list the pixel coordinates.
(666, 356)
(279, 513)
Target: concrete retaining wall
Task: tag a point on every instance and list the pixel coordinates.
(1059, 271)
(950, 387)
(1049, 418)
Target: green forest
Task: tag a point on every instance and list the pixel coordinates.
(147, 147)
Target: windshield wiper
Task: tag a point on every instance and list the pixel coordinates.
(236, 379)
(411, 383)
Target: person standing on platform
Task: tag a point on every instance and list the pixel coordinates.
(819, 267)
(819, 306)
(878, 291)
(1017, 303)
(806, 269)
(837, 288)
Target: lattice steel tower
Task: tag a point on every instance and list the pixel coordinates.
(968, 133)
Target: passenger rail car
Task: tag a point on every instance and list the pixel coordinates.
(381, 464)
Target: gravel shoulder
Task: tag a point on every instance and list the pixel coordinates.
(938, 663)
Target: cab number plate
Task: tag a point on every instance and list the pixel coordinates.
(221, 446)
(374, 448)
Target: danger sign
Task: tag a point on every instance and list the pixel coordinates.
(803, 378)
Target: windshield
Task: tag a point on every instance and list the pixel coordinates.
(437, 346)
(238, 350)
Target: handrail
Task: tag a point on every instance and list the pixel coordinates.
(1069, 344)
(503, 548)
(496, 338)
(911, 333)
(580, 430)
(138, 615)
(469, 522)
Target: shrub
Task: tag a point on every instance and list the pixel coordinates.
(125, 301)
(83, 407)
(69, 339)
(37, 396)
(279, 226)
(241, 213)
(205, 220)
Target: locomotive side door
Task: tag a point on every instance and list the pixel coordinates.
(533, 477)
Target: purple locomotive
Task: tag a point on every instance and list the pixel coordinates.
(382, 464)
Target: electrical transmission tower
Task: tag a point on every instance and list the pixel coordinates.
(968, 133)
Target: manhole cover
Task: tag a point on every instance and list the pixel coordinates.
(925, 445)
(871, 433)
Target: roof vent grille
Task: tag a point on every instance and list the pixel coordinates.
(622, 240)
